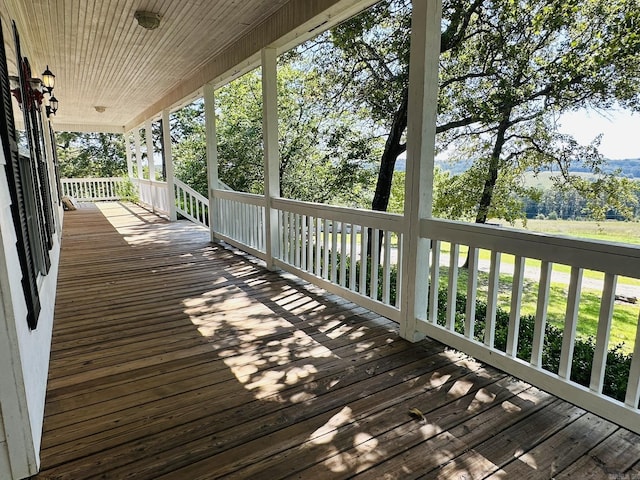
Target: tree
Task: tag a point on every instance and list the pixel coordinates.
(91, 154)
(374, 70)
(323, 157)
(528, 62)
(508, 69)
(189, 146)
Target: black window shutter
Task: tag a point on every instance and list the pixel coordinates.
(37, 184)
(43, 172)
(32, 186)
(14, 178)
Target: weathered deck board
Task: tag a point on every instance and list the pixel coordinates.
(174, 358)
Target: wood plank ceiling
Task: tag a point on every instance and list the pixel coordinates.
(102, 57)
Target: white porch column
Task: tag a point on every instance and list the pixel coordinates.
(136, 144)
(212, 153)
(421, 132)
(127, 149)
(271, 151)
(148, 133)
(168, 160)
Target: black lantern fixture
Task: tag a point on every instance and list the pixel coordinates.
(36, 91)
(48, 80)
(52, 108)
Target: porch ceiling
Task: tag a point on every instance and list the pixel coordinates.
(102, 57)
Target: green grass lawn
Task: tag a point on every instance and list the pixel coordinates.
(625, 317)
(506, 259)
(609, 230)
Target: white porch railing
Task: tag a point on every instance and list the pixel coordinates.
(612, 259)
(92, 189)
(240, 220)
(323, 244)
(357, 254)
(328, 246)
(153, 194)
(191, 204)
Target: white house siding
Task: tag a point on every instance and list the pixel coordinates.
(5, 468)
(24, 354)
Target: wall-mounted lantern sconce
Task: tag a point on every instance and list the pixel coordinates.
(52, 108)
(37, 90)
(49, 80)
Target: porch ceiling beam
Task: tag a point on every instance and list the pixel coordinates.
(294, 23)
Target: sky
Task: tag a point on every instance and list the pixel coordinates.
(621, 131)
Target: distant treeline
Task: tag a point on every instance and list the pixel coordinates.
(629, 167)
(568, 205)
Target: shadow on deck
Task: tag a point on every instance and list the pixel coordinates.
(176, 358)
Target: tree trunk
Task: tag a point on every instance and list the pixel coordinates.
(392, 149)
(492, 173)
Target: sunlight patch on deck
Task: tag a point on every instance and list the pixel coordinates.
(327, 432)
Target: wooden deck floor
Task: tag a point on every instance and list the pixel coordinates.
(174, 358)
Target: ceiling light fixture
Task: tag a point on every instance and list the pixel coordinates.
(100, 108)
(148, 20)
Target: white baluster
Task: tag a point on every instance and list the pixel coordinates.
(344, 227)
(454, 254)
(472, 292)
(541, 314)
(516, 303)
(492, 300)
(386, 269)
(432, 312)
(570, 323)
(604, 329)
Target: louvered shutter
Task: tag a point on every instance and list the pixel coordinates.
(43, 172)
(14, 177)
(32, 180)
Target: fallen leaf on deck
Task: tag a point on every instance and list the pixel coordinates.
(416, 413)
